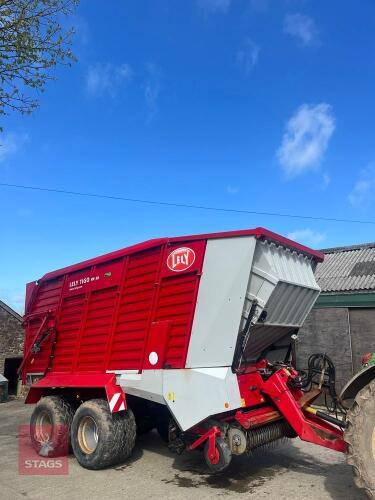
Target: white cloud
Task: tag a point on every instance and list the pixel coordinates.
(247, 55)
(152, 88)
(303, 28)
(307, 237)
(11, 143)
(232, 190)
(306, 138)
(214, 6)
(107, 79)
(363, 192)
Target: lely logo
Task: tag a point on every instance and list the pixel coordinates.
(181, 259)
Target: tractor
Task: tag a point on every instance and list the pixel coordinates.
(358, 397)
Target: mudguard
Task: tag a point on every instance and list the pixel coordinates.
(356, 383)
(78, 381)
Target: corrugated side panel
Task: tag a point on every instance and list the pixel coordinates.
(176, 303)
(47, 298)
(68, 330)
(134, 314)
(289, 304)
(282, 281)
(97, 327)
(107, 310)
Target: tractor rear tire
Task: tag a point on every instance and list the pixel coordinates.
(360, 437)
(50, 426)
(100, 438)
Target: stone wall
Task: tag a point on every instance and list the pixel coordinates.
(11, 337)
(345, 334)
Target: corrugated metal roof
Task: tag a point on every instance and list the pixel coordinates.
(347, 269)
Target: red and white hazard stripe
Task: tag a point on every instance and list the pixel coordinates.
(117, 402)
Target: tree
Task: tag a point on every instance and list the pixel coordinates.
(33, 41)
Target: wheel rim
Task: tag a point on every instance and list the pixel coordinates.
(43, 427)
(373, 443)
(88, 435)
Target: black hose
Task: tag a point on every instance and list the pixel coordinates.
(330, 419)
(321, 371)
(243, 338)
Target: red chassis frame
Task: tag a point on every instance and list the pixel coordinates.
(283, 402)
(308, 427)
(278, 400)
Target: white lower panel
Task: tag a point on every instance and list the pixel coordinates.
(192, 395)
(146, 385)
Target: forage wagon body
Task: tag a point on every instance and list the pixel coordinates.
(191, 335)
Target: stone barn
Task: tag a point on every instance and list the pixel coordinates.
(342, 322)
(11, 345)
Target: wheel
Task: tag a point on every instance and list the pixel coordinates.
(223, 455)
(163, 430)
(50, 426)
(360, 436)
(163, 421)
(144, 425)
(101, 438)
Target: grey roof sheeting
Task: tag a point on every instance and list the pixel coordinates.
(347, 269)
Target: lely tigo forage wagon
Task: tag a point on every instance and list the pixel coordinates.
(190, 335)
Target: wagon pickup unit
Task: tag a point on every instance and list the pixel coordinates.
(192, 335)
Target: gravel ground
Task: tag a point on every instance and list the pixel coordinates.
(292, 470)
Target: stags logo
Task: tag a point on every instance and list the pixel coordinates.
(181, 259)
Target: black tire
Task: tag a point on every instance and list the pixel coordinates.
(162, 426)
(225, 455)
(163, 422)
(101, 438)
(144, 425)
(50, 425)
(360, 437)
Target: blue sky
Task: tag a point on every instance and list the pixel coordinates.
(246, 104)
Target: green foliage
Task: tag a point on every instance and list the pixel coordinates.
(33, 40)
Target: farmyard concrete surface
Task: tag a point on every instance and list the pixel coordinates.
(294, 470)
